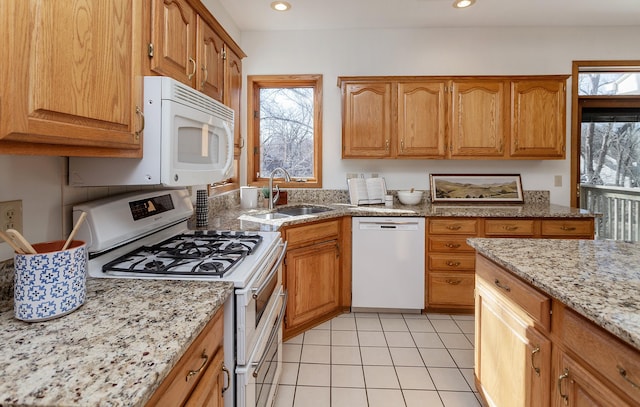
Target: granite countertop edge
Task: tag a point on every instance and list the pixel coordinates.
(598, 279)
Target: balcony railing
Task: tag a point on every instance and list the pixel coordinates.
(620, 209)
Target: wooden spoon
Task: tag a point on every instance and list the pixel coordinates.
(21, 241)
(75, 230)
(412, 190)
(11, 243)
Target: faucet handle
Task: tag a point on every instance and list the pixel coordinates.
(276, 195)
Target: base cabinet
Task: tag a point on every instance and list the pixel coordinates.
(199, 376)
(311, 275)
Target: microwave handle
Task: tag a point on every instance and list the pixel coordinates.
(273, 335)
(230, 137)
(274, 270)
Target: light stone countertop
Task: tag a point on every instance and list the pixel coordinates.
(114, 350)
(599, 279)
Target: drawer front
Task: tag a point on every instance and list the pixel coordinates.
(616, 361)
(448, 244)
(507, 227)
(298, 236)
(452, 262)
(534, 303)
(175, 389)
(451, 288)
(567, 228)
(453, 226)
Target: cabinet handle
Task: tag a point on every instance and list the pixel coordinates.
(453, 282)
(454, 227)
(500, 285)
(228, 376)
(510, 228)
(402, 145)
(568, 228)
(241, 146)
(195, 66)
(453, 263)
(452, 245)
(139, 113)
(205, 359)
(623, 373)
(386, 144)
(533, 352)
(206, 76)
(563, 376)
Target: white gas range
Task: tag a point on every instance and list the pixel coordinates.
(145, 235)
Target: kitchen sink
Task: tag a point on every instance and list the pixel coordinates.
(302, 210)
(270, 215)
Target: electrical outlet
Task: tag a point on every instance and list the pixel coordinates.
(557, 181)
(11, 215)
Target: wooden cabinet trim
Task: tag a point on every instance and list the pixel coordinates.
(297, 236)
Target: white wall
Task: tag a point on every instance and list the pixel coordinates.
(438, 51)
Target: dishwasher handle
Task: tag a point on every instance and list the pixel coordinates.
(390, 226)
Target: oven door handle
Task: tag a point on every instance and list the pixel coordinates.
(257, 365)
(256, 291)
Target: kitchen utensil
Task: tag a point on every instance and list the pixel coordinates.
(74, 230)
(11, 243)
(50, 283)
(410, 197)
(21, 241)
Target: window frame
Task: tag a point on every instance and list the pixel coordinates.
(254, 84)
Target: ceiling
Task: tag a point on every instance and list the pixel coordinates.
(256, 15)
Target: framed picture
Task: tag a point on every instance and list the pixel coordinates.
(482, 188)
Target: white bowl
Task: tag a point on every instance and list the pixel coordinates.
(410, 198)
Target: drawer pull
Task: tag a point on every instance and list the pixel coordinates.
(454, 227)
(453, 263)
(500, 285)
(623, 373)
(228, 376)
(533, 353)
(453, 245)
(563, 376)
(510, 228)
(205, 359)
(453, 282)
(568, 228)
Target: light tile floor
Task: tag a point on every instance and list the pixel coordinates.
(381, 360)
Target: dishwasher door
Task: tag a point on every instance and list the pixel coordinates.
(388, 257)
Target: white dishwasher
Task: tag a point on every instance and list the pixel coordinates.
(387, 263)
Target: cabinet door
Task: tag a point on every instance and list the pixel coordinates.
(210, 51)
(538, 119)
(421, 119)
(366, 120)
(173, 24)
(69, 76)
(208, 391)
(513, 359)
(233, 92)
(576, 387)
(312, 274)
(478, 115)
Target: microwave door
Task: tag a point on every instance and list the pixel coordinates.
(201, 146)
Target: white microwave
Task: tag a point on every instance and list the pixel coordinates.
(188, 140)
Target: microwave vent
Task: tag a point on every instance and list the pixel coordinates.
(198, 100)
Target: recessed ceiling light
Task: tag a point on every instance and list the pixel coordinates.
(463, 3)
(280, 6)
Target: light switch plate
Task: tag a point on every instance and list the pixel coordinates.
(557, 181)
(11, 215)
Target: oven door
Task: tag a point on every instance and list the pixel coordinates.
(254, 302)
(257, 381)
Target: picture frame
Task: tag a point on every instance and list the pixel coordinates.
(476, 188)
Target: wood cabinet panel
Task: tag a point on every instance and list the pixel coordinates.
(509, 227)
(210, 59)
(538, 118)
(317, 232)
(451, 289)
(208, 392)
(233, 93)
(478, 111)
(421, 119)
(366, 120)
(79, 91)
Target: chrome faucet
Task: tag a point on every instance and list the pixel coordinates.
(273, 199)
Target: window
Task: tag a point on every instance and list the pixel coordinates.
(285, 128)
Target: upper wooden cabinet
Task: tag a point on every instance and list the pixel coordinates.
(538, 118)
(454, 117)
(186, 43)
(71, 78)
(233, 92)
